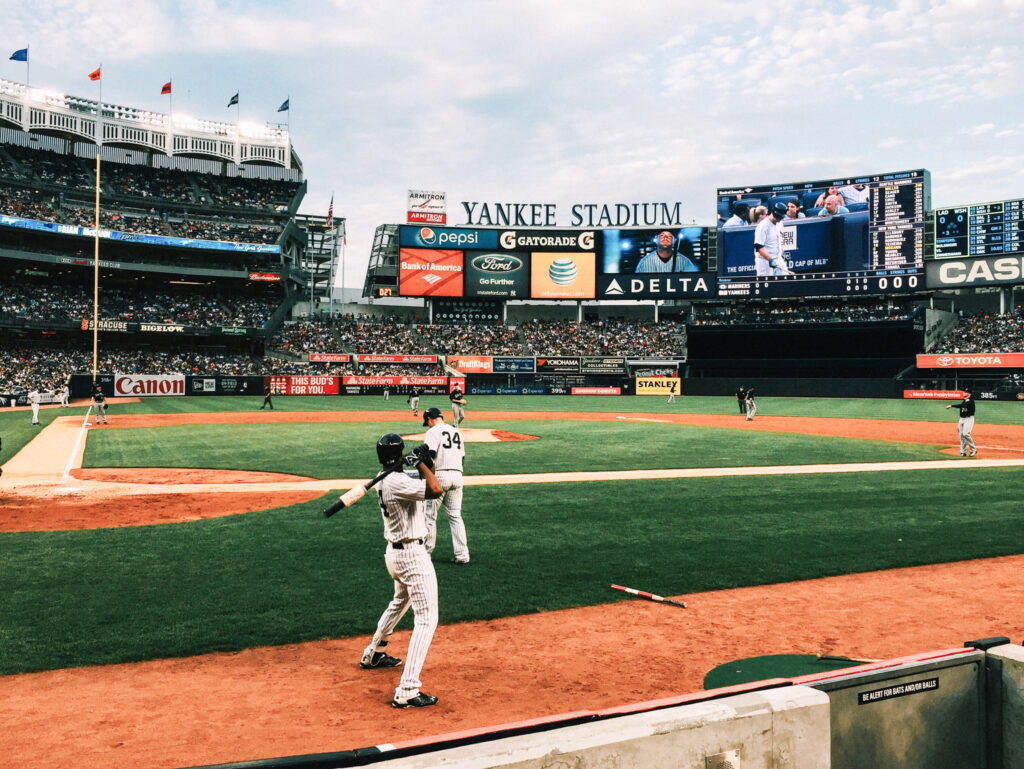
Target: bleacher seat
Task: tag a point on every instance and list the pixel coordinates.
(809, 200)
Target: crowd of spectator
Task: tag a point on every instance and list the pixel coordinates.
(827, 311)
(47, 186)
(47, 301)
(667, 337)
(450, 339)
(986, 332)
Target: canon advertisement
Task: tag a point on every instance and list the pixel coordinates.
(143, 385)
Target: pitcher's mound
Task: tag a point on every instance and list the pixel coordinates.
(474, 435)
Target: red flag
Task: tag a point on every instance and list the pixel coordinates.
(330, 214)
(95, 74)
(166, 88)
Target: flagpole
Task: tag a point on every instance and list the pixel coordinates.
(99, 136)
(96, 278)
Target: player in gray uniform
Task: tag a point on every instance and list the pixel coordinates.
(414, 401)
(458, 406)
(409, 565)
(450, 451)
(751, 406)
(965, 424)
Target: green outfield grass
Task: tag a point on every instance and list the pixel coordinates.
(286, 575)
(111, 595)
(346, 450)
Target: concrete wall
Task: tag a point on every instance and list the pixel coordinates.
(1006, 707)
(785, 728)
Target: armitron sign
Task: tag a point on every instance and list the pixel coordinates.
(973, 360)
(149, 384)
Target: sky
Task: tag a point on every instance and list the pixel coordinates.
(564, 101)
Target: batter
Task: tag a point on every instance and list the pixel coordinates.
(450, 450)
(409, 565)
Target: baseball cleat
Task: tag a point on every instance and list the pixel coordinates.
(973, 452)
(379, 660)
(421, 700)
(459, 563)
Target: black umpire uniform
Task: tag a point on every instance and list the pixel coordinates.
(267, 392)
(741, 398)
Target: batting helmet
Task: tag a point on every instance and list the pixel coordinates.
(779, 209)
(390, 448)
(432, 413)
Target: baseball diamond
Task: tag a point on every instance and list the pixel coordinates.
(818, 615)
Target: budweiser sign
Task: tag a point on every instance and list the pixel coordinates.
(973, 360)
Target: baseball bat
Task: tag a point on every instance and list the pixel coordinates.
(649, 596)
(356, 493)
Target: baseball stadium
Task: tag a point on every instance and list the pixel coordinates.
(755, 505)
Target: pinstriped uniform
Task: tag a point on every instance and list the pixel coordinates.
(401, 501)
(447, 442)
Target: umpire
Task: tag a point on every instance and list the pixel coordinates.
(741, 399)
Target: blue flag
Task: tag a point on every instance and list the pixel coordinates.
(284, 107)
(234, 100)
(20, 55)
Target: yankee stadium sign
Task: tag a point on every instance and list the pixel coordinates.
(580, 214)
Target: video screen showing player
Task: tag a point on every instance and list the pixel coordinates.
(645, 251)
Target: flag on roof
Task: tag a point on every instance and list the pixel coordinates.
(20, 55)
(233, 100)
(166, 87)
(95, 74)
(284, 106)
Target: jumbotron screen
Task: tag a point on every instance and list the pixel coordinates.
(855, 235)
(979, 229)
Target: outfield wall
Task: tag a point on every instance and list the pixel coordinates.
(949, 709)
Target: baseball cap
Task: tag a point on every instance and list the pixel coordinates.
(432, 413)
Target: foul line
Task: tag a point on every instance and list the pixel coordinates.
(78, 442)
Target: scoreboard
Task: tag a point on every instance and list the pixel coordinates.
(982, 229)
(873, 243)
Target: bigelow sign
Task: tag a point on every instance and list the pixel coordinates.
(149, 384)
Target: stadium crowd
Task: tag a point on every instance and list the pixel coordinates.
(469, 339)
(71, 303)
(830, 311)
(667, 337)
(986, 332)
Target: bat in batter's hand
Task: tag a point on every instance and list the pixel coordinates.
(356, 493)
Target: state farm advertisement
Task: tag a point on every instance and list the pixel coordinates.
(973, 360)
(149, 384)
(395, 380)
(329, 357)
(471, 364)
(304, 385)
(397, 358)
(429, 272)
(934, 394)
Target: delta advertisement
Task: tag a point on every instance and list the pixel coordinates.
(495, 274)
(429, 272)
(563, 275)
(650, 385)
